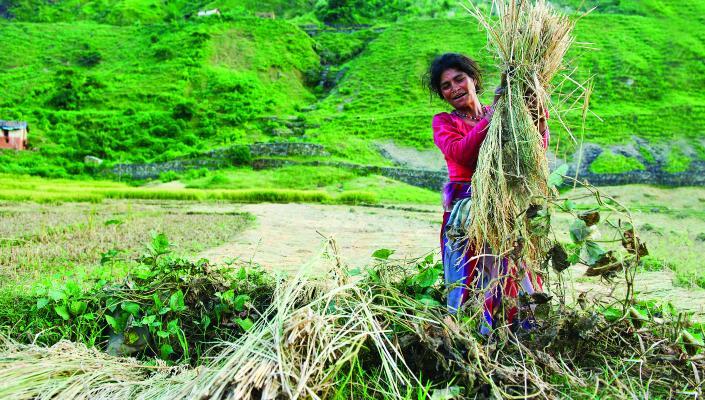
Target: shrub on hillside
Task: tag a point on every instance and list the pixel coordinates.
(183, 110)
(72, 89)
(163, 53)
(89, 58)
(611, 163)
(240, 155)
(168, 176)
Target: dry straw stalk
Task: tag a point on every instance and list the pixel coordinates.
(529, 40)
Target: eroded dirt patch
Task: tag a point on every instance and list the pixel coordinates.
(287, 236)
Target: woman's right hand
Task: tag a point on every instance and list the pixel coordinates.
(498, 93)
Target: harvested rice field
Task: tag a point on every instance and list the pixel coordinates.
(83, 272)
(38, 240)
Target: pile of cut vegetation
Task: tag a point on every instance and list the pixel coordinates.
(198, 331)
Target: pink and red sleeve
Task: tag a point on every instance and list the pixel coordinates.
(462, 149)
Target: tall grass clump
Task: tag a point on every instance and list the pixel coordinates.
(529, 41)
(357, 197)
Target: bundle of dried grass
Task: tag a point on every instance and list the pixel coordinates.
(72, 371)
(529, 40)
(306, 336)
(313, 329)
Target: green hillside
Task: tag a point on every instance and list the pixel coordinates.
(140, 93)
(135, 81)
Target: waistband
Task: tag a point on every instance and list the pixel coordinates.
(454, 191)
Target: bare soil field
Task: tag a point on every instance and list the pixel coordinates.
(287, 236)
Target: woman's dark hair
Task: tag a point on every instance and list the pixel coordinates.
(451, 60)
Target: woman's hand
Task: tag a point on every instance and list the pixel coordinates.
(501, 89)
(498, 93)
(537, 110)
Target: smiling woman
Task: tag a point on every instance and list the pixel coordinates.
(457, 80)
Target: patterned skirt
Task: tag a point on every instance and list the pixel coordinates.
(469, 272)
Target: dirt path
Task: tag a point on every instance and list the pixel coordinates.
(287, 236)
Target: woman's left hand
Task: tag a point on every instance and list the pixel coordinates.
(537, 110)
(498, 93)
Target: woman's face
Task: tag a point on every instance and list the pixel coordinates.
(457, 88)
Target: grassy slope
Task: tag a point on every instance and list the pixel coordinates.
(164, 89)
(382, 95)
(649, 81)
(125, 107)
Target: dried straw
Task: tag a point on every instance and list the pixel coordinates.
(72, 371)
(313, 330)
(530, 40)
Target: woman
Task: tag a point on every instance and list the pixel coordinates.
(457, 80)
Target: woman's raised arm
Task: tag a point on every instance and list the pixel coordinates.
(461, 149)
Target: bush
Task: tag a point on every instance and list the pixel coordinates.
(611, 163)
(651, 263)
(168, 176)
(183, 111)
(219, 179)
(89, 58)
(163, 53)
(357, 198)
(196, 173)
(240, 155)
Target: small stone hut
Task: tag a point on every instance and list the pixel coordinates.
(13, 135)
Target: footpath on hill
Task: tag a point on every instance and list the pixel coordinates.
(288, 236)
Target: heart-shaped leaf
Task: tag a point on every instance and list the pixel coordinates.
(62, 312)
(382, 254)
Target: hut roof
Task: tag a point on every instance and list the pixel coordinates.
(13, 125)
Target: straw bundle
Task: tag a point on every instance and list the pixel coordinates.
(72, 371)
(529, 41)
(314, 330)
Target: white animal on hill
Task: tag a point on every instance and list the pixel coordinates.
(205, 13)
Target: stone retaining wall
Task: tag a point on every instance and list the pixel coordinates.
(153, 170)
(434, 180)
(285, 149)
(652, 174)
(217, 158)
(429, 179)
(695, 176)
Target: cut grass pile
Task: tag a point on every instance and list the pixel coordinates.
(385, 334)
